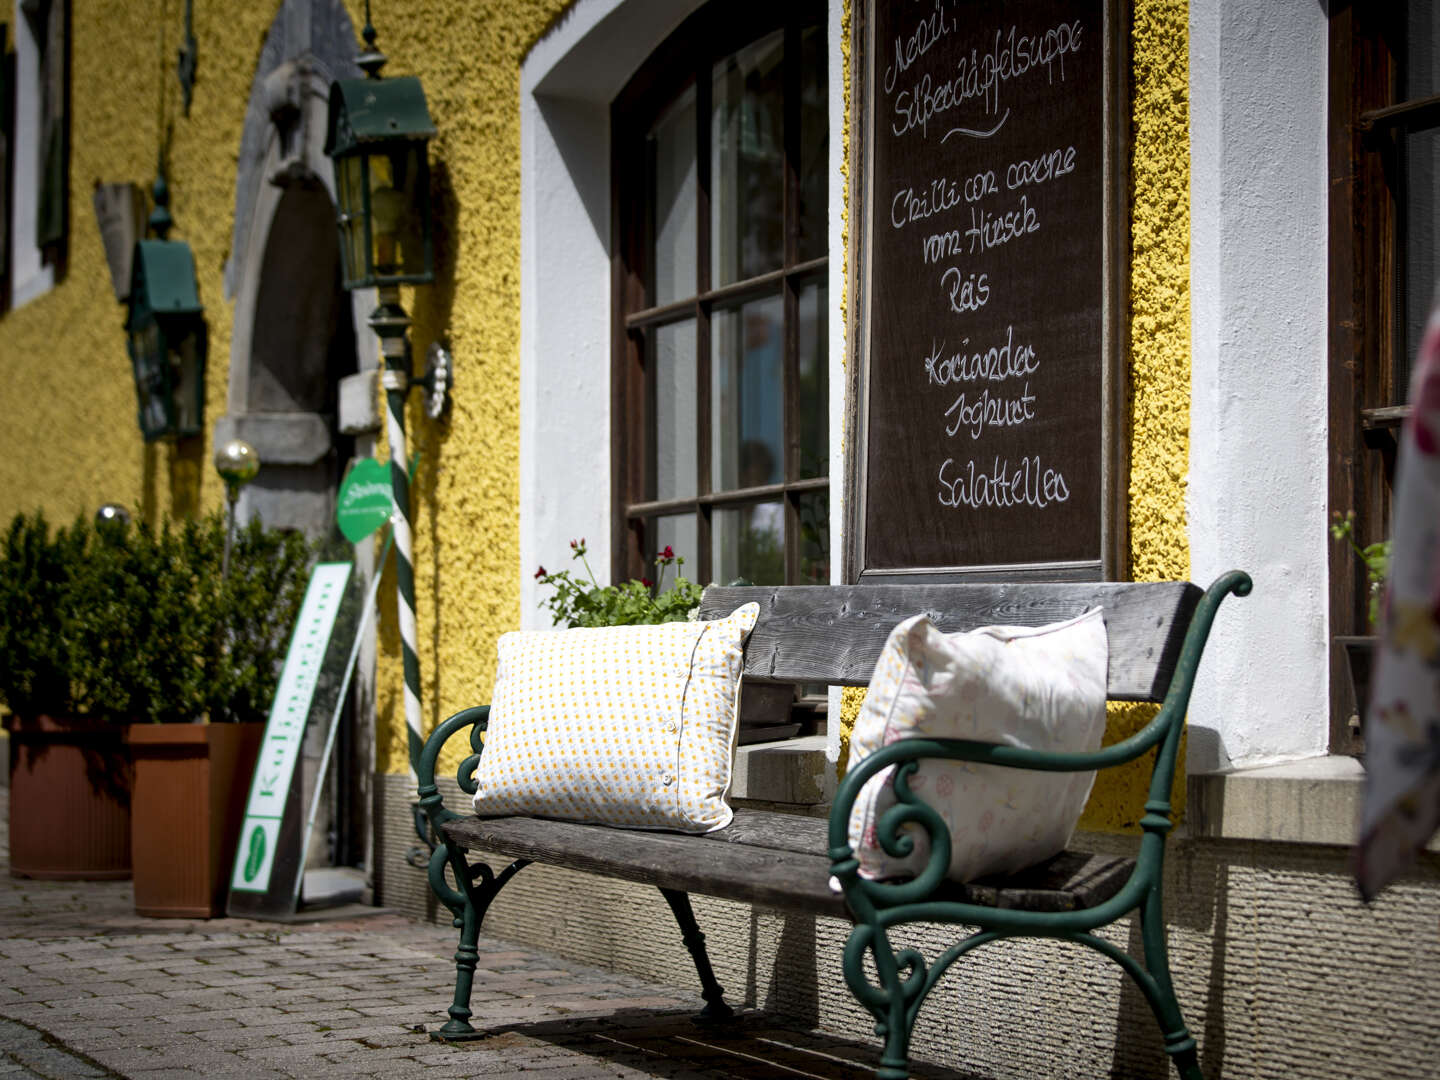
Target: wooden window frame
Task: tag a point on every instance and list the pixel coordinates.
(685, 58)
(1365, 401)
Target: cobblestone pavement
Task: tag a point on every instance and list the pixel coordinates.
(89, 989)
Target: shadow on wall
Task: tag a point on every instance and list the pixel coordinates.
(185, 471)
(792, 989)
(433, 308)
(187, 475)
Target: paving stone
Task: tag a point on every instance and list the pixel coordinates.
(92, 990)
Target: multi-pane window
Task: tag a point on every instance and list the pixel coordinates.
(722, 439)
(1385, 197)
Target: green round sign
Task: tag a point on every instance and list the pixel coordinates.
(366, 500)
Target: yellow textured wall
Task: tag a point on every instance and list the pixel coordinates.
(1159, 354)
(68, 437)
(67, 424)
(465, 501)
(1159, 328)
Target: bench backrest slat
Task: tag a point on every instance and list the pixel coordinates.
(834, 634)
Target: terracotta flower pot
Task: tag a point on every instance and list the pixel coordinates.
(190, 786)
(69, 798)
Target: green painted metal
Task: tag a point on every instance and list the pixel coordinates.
(364, 112)
(477, 885)
(165, 329)
(162, 279)
(905, 978)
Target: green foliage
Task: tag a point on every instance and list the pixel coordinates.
(35, 595)
(138, 624)
(1376, 558)
(575, 603)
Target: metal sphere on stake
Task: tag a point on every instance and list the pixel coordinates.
(112, 513)
(237, 463)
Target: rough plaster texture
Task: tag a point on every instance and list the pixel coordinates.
(68, 436)
(1280, 970)
(1258, 480)
(466, 491)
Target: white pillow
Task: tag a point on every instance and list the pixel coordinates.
(622, 725)
(1040, 688)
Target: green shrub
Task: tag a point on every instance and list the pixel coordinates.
(136, 623)
(35, 597)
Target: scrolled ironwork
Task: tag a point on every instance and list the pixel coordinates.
(902, 980)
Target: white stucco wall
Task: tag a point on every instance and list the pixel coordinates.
(1258, 414)
(566, 86)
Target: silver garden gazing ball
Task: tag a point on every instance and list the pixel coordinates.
(112, 513)
(237, 463)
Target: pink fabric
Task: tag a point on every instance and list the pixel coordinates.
(1402, 735)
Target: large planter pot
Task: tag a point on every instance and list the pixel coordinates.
(69, 798)
(191, 781)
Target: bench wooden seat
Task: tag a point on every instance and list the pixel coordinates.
(833, 635)
(786, 874)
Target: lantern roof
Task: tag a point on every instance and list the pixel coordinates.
(162, 278)
(376, 110)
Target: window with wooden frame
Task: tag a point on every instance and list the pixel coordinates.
(1385, 198)
(720, 392)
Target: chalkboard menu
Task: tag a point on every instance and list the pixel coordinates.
(986, 280)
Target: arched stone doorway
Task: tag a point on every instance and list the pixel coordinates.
(302, 343)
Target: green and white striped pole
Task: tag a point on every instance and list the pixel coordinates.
(390, 323)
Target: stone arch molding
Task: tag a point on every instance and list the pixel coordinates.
(309, 44)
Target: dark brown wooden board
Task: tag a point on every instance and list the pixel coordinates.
(755, 874)
(834, 634)
(984, 285)
(768, 858)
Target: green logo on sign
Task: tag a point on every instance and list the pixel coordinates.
(256, 857)
(366, 500)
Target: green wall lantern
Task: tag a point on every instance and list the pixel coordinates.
(166, 332)
(377, 134)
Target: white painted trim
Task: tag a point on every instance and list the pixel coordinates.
(1258, 409)
(29, 277)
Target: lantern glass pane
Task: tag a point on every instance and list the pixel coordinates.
(188, 381)
(152, 391)
(399, 214)
(350, 191)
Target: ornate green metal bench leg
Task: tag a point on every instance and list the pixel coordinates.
(475, 886)
(469, 905)
(710, 988)
(1179, 1044)
(892, 1002)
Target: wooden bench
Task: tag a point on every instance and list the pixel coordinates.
(833, 635)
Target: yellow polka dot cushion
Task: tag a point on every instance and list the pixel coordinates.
(621, 725)
(1042, 688)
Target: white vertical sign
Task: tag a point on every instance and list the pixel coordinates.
(285, 730)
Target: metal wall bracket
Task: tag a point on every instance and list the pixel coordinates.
(438, 377)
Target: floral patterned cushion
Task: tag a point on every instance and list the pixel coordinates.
(1040, 688)
(620, 725)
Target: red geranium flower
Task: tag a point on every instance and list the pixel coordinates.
(540, 573)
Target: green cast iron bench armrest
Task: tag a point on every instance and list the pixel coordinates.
(866, 898)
